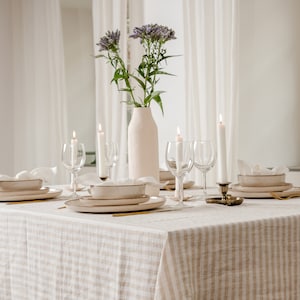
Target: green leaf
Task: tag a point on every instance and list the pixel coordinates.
(99, 55)
(153, 95)
(157, 99)
(125, 90)
(140, 82)
(161, 73)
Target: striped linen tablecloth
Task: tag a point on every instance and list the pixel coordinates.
(210, 251)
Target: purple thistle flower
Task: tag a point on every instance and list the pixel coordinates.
(153, 32)
(110, 41)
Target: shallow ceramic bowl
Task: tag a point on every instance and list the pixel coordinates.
(261, 180)
(125, 191)
(20, 185)
(165, 175)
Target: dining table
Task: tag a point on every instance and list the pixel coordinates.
(203, 251)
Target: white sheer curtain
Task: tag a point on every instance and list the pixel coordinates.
(111, 112)
(39, 105)
(211, 49)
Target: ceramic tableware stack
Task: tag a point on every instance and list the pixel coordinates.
(25, 189)
(260, 185)
(110, 198)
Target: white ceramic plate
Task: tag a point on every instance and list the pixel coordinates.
(263, 195)
(52, 193)
(105, 202)
(153, 202)
(43, 190)
(20, 185)
(261, 189)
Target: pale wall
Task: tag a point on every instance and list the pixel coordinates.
(270, 82)
(6, 91)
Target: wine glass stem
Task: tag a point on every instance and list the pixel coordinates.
(180, 189)
(74, 182)
(109, 172)
(204, 182)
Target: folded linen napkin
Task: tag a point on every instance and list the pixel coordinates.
(257, 169)
(44, 173)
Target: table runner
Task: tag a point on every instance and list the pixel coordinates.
(250, 251)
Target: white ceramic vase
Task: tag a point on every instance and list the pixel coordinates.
(143, 158)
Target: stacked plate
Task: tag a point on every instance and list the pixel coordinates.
(260, 186)
(116, 198)
(31, 189)
(167, 177)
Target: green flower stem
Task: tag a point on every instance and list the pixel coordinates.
(127, 82)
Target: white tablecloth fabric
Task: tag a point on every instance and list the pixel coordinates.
(251, 251)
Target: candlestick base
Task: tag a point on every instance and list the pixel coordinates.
(225, 199)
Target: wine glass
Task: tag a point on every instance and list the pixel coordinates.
(204, 159)
(111, 156)
(179, 160)
(73, 159)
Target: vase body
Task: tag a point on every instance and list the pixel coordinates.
(143, 158)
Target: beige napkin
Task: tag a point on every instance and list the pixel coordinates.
(44, 173)
(246, 168)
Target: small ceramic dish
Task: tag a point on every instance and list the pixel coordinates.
(165, 175)
(117, 191)
(261, 180)
(20, 185)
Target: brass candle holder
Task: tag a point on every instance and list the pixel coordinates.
(225, 199)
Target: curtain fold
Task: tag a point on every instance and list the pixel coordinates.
(39, 110)
(111, 112)
(211, 64)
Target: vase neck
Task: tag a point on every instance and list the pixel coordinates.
(142, 109)
(144, 112)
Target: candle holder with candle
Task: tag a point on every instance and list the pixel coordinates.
(225, 198)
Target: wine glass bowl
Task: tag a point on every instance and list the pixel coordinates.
(204, 159)
(179, 158)
(73, 159)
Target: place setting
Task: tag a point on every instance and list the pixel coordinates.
(27, 186)
(104, 194)
(114, 197)
(256, 181)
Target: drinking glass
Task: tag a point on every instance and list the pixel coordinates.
(179, 160)
(73, 159)
(204, 159)
(111, 156)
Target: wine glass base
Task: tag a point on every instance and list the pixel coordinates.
(179, 204)
(174, 198)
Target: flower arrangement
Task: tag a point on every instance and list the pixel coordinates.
(153, 38)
